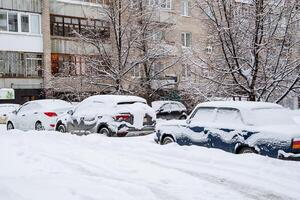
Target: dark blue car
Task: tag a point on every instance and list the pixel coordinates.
(238, 127)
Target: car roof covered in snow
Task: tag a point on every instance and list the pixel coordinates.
(115, 99)
(157, 104)
(52, 103)
(241, 105)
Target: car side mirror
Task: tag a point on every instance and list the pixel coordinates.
(14, 112)
(188, 121)
(70, 112)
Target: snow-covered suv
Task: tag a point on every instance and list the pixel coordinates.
(111, 115)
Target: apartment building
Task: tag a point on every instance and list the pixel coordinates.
(21, 48)
(41, 56)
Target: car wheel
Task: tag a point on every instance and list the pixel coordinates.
(61, 128)
(38, 126)
(182, 117)
(247, 150)
(105, 131)
(167, 140)
(10, 126)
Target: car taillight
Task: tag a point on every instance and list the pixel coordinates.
(50, 114)
(296, 143)
(122, 117)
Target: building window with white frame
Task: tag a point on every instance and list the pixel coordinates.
(186, 39)
(35, 24)
(3, 21)
(185, 8)
(166, 4)
(20, 22)
(12, 22)
(25, 23)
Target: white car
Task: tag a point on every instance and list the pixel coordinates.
(37, 115)
(5, 110)
(111, 115)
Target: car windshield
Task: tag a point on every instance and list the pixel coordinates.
(270, 116)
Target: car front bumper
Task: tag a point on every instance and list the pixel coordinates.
(288, 156)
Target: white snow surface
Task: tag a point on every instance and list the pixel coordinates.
(49, 165)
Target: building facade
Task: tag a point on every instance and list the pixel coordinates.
(41, 55)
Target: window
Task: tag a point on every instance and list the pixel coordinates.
(228, 116)
(17, 64)
(185, 7)
(166, 107)
(20, 22)
(3, 21)
(35, 24)
(66, 64)
(25, 23)
(204, 115)
(186, 70)
(13, 22)
(137, 71)
(165, 4)
(186, 39)
(157, 70)
(66, 26)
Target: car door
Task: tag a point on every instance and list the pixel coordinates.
(228, 129)
(21, 119)
(198, 125)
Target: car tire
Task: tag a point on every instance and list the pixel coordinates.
(39, 126)
(167, 140)
(61, 128)
(182, 117)
(10, 126)
(105, 131)
(244, 150)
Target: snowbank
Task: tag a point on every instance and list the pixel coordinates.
(49, 165)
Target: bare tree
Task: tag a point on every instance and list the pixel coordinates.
(136, 45)
(255, 48)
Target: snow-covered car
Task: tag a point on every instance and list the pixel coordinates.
(169, 110)
(5, 110)
(37, 115)
(111, 115)
(237, 127)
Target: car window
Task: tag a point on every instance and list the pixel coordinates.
(175, 107)
(29, 107)
(166, 107)
(203, 115)
(228, 116)
(88, 108)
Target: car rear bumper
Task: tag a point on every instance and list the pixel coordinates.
(136, 132)
(288, 156)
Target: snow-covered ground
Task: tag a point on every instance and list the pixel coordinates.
(49, 165)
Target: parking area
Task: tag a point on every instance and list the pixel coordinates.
(50, 165)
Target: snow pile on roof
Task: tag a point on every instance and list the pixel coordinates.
(240, 104)
(48, 165)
